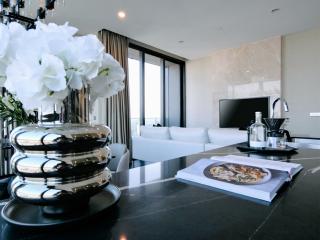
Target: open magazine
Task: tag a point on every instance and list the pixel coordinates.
(251, 177)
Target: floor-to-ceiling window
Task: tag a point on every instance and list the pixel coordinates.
(156, 89)
(152, 90)
(134, 89)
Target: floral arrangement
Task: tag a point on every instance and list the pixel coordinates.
(39, 66)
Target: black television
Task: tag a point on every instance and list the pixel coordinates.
(239, 113)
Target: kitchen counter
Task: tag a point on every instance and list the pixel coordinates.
(154, 205)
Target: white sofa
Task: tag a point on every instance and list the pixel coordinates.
(164, 143)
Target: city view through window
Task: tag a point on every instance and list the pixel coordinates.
(152, 94)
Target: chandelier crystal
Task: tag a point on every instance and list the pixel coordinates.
(15, 10)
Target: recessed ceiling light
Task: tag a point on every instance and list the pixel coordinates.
(121, 14)
(275, 10)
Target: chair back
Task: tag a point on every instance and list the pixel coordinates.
(120, 157)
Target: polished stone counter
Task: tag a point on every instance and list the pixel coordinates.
(154, 205)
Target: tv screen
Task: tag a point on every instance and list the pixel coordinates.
(239, 113)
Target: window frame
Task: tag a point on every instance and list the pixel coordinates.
(143, 51)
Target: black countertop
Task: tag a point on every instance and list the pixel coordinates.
(154, 205)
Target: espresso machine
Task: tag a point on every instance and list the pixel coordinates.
(277, 136)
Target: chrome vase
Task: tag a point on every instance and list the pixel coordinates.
(61, 162)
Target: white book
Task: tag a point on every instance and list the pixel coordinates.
(264, 189)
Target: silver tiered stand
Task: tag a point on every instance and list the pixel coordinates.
(61, 170)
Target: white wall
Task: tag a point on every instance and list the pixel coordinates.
(301, 81)
(252, 70)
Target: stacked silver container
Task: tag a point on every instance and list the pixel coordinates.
(59, 166)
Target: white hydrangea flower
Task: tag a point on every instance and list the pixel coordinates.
(23, 77)
(58, 38)
(75, 79)
(53, 73)
(41, 65)
(110, 80)
(31, 44)
(47, 102)
(36, 81)
(16, 32)
(64, 29)
(10, 35)
(84, 60)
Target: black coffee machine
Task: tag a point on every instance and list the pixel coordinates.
(275, 134)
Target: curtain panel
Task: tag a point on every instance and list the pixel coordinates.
(117, 106)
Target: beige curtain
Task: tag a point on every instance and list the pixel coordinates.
(118, 113)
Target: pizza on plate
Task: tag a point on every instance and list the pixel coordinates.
(238, 173)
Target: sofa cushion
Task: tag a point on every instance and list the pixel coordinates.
(154, 150)
(226, 136)
(154, 132)
(196, 135)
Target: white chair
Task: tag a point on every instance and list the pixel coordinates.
(120, 157)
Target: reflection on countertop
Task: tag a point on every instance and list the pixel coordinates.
(154, 205)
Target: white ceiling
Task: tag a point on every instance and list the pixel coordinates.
(203, 25)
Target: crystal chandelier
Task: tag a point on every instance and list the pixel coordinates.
(15, 10)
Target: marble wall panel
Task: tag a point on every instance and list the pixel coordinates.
(252, 70)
